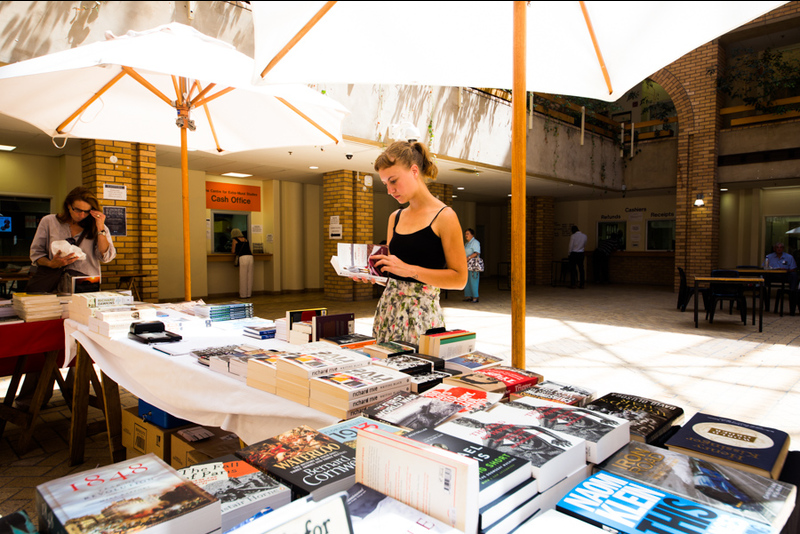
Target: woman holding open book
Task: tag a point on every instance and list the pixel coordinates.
(426, 253)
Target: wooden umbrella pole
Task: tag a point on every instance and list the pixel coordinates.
(518, 174)
(187, 256)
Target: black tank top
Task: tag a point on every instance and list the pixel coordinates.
(423, 248)
(243, 248)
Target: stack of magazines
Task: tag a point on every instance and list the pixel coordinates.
(225, 312)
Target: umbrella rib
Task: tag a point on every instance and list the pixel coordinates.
(178, 95)
(138, 77)
(208, 99)
(98, 94)
(208, 112)
(294, 40)
(317, 126)
(596, 46)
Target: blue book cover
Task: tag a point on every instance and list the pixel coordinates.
(621, 505)
(753, 448)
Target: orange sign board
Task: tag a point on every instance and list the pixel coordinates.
(236, 197)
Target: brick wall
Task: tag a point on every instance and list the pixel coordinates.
(137, 252)
(539, 238)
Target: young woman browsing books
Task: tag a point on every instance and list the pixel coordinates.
(426, 253)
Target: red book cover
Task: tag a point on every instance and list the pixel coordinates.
(516, 380)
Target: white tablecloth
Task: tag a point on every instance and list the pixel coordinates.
(184, 388)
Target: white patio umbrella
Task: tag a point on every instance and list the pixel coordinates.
(594, 49)
(172, 86)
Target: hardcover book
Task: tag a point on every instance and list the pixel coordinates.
(358, 382)
(560, 392)
(405, 363)
(306, 460)
(350, 341)
(603, 434)
(731, 490)
(619, 504)
(347, 431)
(340, 324)
(241, 489)
(437, 482)
(320, 363)
(470, 400)
(498, 472)
(649, 418)
(472, 361)
(753, 448)
(422, 382)
(552, 455)
(412, 411)
(516, 380)
(386, 349)
(142, 494)
(371, 511)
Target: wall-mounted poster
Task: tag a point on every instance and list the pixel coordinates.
(116, 220)
(236, 197)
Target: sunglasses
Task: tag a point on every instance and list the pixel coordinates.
(73, 208)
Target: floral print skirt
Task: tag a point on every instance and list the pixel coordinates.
(406, 310)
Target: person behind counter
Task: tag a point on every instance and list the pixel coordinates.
(426, 252)
(244, 259)
(81, 222)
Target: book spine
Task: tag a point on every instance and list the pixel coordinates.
(132, 315)
(48, 520)
(453, 349)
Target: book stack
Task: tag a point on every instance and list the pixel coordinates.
(294, 371)
(470, 400)
(7, 313)
(347, 431)
(82, 306)
(650, 419)
(448, 344)
(242, 489)
(37, 307)
(559, 392)
(412, 411)
(300, 333)
(225, 312)
(281, 331)
(498, 379)
(346, 394)
(306, 460)
(116, 320)
(422, 382)
(261, 371)
(350, 341)
(306, 314)
(265, 329)
(387, 349)
(409, 364)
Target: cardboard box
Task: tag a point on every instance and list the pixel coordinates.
(185, 453)
(140, 437)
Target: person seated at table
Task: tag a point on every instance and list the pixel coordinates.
(782, 260)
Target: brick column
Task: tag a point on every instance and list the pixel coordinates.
(443, 192)
(540, 223)
(345, 196)
(135, 168)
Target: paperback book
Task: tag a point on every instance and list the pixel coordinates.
(478, 381)
(347, 431)
(358, 382)
(353, 260)
(405, 363)
(603, 434)
(241, 489)
(320, 363)
(386, 349)
(306, 460)
(350, 341)
(345, 409)
(372, 511)
(619, 504)
(470, 400)
(412, 411)
(473, 361)
(140, 494)
(422, 382)
(649, 418)
(731, 490)
(515, 380)
(754, 448)
(552, 455)
(560, 392)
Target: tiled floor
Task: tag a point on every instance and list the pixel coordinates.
(630, 339)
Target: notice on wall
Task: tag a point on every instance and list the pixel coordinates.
(116, 220)
(235, 197)
(255, 229)
(115, 192)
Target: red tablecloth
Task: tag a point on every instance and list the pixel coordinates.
(33, 339)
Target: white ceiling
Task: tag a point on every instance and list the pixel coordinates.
(489, 185)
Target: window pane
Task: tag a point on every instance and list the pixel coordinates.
(223, 223)
(607, 230)
(19, 218)
(661, 235)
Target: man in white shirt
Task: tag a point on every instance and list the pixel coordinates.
(577, 243)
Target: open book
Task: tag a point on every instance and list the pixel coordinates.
(353, 260)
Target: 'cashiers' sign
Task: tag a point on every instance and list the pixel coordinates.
(235, 197)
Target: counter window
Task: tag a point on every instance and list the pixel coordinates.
(222, 223)
(19, 218)
(661, 234)
(608, 230)
(778, 231)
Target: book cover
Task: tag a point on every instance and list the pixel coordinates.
(354, 260)
(347, 431)
(516, 380)
(731, 490)
(138, 494)
(405, 363)
(357, 405)
(472, 361)
(619, 504)
(754, 448)
(304, 514)
(339, 324)
(412, 411)
(603, 434)
(498, 472)
(437, 482)
(649, 418)
(422, 382)
(470, 400)
(359, 382)
(552, 455)
(554, 521)
(438, 363)
(517, 496)
(448, 347)
(426, 340)
(560, 392)
(477, 381)
(386, 349)
(320, 362)
(371, 511)
(350, 341)
(306, 460)
(241, 489)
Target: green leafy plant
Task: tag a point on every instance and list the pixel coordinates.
(760, 78)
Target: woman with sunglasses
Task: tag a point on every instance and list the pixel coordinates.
(81, 222)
